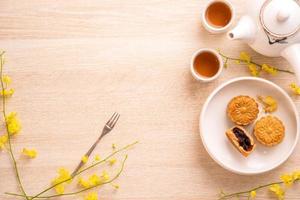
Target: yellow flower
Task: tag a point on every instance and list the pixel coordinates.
(7, 93)
(287, 179)
(30, 153)
(296, 175)
(94, 180)
(3, 140)
(253, 70)
(114, 146)
(295, 88)
(84, 159)
(105, 176)
(269, 69)
(112, 161)
(116, 186)
(13, 123)
(269, 103)
(279, 192)
(245, 57)
(83, 183)
(97, 158)
(91, 196)
(253, 194)
(6, 79)
(63, 175)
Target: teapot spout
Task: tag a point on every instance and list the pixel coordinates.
(244, 30)
(292, 54)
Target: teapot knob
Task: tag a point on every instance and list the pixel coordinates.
(283, 15)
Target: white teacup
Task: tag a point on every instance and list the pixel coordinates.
(201, 77)
(209, 26)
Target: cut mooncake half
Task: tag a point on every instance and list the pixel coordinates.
(241, 140)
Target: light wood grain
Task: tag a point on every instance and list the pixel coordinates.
(76, 62)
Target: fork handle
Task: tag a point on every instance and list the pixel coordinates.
(88, 153)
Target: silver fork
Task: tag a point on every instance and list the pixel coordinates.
(106, 129)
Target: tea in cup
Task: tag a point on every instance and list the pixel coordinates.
(217, 16)
(206, 65)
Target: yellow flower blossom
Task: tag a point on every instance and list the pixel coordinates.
(269, 69)
(253, 70)
(253, 194)
(3, 141)
(295, 88)
(112, 161)
(296, 175)
(287, 179)
(97, 158)
(7, 93)
(116, 186)
(269, 103)
(91, 196)
(114, 146)
(84, 159)
(13, 123)
(6, 79)
(63, 175)
(94, 180)
(245, 57)
(105, 176)
(30, 153)
(83, 183)
(279, 192)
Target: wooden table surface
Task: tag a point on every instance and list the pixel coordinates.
(74, 63)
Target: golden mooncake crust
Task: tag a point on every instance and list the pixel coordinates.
(269, 130)
(242, 110)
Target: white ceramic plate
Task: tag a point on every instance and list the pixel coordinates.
(214, 122)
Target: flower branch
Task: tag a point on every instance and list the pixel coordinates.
(275, 187)
(255, 68)
(80, 191)
(10, 148)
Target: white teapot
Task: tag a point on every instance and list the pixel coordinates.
(272, 28)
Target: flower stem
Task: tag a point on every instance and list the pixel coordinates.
(79, 191)
(228, 196)
(79, 172)
(252, 62)
(237, 194)
(10, 149)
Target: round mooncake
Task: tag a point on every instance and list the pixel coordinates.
(242, 110)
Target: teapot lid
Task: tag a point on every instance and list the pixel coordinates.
(280, 18)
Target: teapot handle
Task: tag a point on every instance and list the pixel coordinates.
(292, 55)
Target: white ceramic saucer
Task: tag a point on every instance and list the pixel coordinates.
(214, 122)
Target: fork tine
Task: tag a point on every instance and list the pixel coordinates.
(115, 120)
(111, 118)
